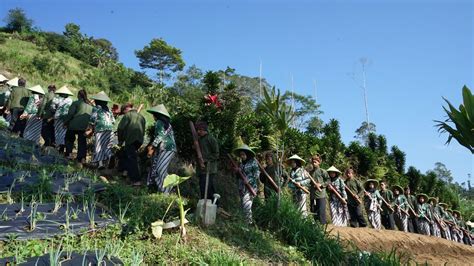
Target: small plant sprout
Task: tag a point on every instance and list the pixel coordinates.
(175, 180)
(33, 217)
(58, 202)
(114, 248)
(123, 212)
(4, 215)
(9, 193)
(91, 214)
(22, 177)
(100, 255)
(75, 213)
(55, 254)
(22, 205)
(137, 258)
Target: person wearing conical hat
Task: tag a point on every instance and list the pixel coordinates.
(210, 154)
(161, 149)
(457, 218)
(373, 202)
(446, 234)
(318, 197)
(413, 206)
(60, 108)
(299, 175)
(249, 167)
(102, 123)
(4, 93)
(337, 206)
(453, 226)
(400, 204)
(46, 113)
(34, 123)
(423, 215)
(77, 120)
(436, 226)
(16, 105)
(130, 136)
(463, 228)
(356, 219)
(387, 218)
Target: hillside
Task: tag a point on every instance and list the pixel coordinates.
(414, 247)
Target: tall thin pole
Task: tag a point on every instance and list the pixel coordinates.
(363, 61)
(260, 81)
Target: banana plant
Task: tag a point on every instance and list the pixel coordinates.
(174, 181)
(463, 120)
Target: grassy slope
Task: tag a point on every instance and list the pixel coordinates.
(227, 242)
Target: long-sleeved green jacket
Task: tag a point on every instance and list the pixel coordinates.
(131, 128)
(18, 98)
(45, 111)
(78, 116)
(320, 176)
(210, 153)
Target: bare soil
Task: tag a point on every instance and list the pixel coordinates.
(412, 247)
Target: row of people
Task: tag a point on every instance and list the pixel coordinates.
(347, 196)
(33, 114)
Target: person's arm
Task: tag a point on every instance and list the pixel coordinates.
(122, 126)
(159, 134)
(71, 113)
(342, 188)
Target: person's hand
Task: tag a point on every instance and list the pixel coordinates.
(150, 151)
(344, 201)
(23, 116)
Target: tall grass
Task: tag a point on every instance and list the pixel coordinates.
(312, 239)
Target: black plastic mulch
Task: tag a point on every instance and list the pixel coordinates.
(16, 224)
(88, 258)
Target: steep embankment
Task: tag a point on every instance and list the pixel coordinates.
(418, 248)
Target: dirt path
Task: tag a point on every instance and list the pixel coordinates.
(421, 249)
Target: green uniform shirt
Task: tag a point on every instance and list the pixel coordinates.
(210, 153)
(163, 139)
(320, 176)
(101, 119)
(19, 98)
(45, 111)
(131, 128)
(339, 186)
(78, 116)
(388, 196)
(413, 204)
(299, 175)
(356, 188)
(424, 211)
(401, 201)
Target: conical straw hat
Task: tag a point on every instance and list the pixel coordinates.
(64, 90)
(160, 109)
(297, 158)
(2, 78)
(13, 82)
(333, 169)
(101, 96)
(376, 183)
(37, 89)
(244, 147)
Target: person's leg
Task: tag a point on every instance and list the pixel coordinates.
(247, 201)
(391, 221)
(70, 138)
(130, 156)
(360, 217)
(164, 159)
(81, 145)
(321, 210)
(352, 215)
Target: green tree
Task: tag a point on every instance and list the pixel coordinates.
(414, 178)
(463, 120)
(17, 21)
(331, 143)
(305, 108)
(443, 173)
(160, 56)
(398, 158)
(362, 133)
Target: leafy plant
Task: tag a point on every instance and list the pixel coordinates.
(463, 120)
(174, 181)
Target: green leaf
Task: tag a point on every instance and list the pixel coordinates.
(174, 180)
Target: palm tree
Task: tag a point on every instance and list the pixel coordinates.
(463, 120)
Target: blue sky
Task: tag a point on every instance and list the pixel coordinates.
(418, 51)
